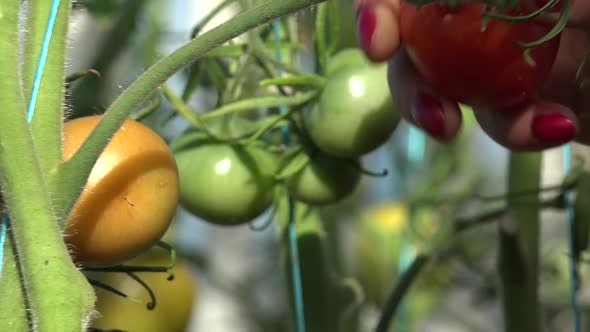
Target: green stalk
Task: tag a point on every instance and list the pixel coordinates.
(327, 297)
(519, 246)
(192, 117)
(36, 16)
(59, 297)
(13, 316)
(48, 116)
(321, 22)
(78, 168)
(258, 102)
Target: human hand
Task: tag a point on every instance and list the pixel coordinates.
(559, 114)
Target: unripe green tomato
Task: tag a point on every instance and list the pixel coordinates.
(347, 58)
(325, 180)
(355, 113)
(225, 184)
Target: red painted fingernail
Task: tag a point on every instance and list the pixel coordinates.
(366, 24)
(553, 128)
(430, 116)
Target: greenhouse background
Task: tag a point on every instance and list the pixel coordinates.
(238, 271)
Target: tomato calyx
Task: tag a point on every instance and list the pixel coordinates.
(546, 8)
(131, 271)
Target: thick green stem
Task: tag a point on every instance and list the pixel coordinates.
(48, 115)
(326, 296)
(519, 247)
(78, 168)
(59, 297)
(13, 316)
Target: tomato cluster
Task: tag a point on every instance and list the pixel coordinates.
(353, 116)
(228, 182)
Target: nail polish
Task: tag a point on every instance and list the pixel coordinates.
(429, 115)
(553, 128)
(366, 23)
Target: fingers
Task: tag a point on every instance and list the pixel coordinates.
(377, 28)
(439, 118)
(534, 126)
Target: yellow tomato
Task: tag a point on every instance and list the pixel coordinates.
(175, 299)
(130, 197)
(385, 241)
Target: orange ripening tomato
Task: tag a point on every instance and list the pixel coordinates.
(471, 65)
(130, 197)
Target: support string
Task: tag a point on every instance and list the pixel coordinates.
(293, 247)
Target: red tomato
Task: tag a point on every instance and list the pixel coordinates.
(556, 8)
(475, 67)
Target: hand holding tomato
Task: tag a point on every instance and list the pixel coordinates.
(552, 110)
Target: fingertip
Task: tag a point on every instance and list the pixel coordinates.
(440, 119)
(534, 126)
(377, 31)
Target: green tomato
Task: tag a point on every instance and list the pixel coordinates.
(325, 180)
(225, 184)
(347, 58)
(355, 113)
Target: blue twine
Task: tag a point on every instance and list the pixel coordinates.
(293, 247)
(3, 233)
(416, 145)
(42, 58)
(567, 153)
(32, 104)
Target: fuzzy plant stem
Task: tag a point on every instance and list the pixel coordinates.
(13, 316)
(58, 295)
(79, 166)
(48, 103)
(519, 246)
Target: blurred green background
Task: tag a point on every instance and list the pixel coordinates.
(241, 283)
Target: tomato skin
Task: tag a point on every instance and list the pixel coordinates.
(130, 197)
(346, 58)
(476, 68)
(325, 180)
(355, 113)
(226, 184)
